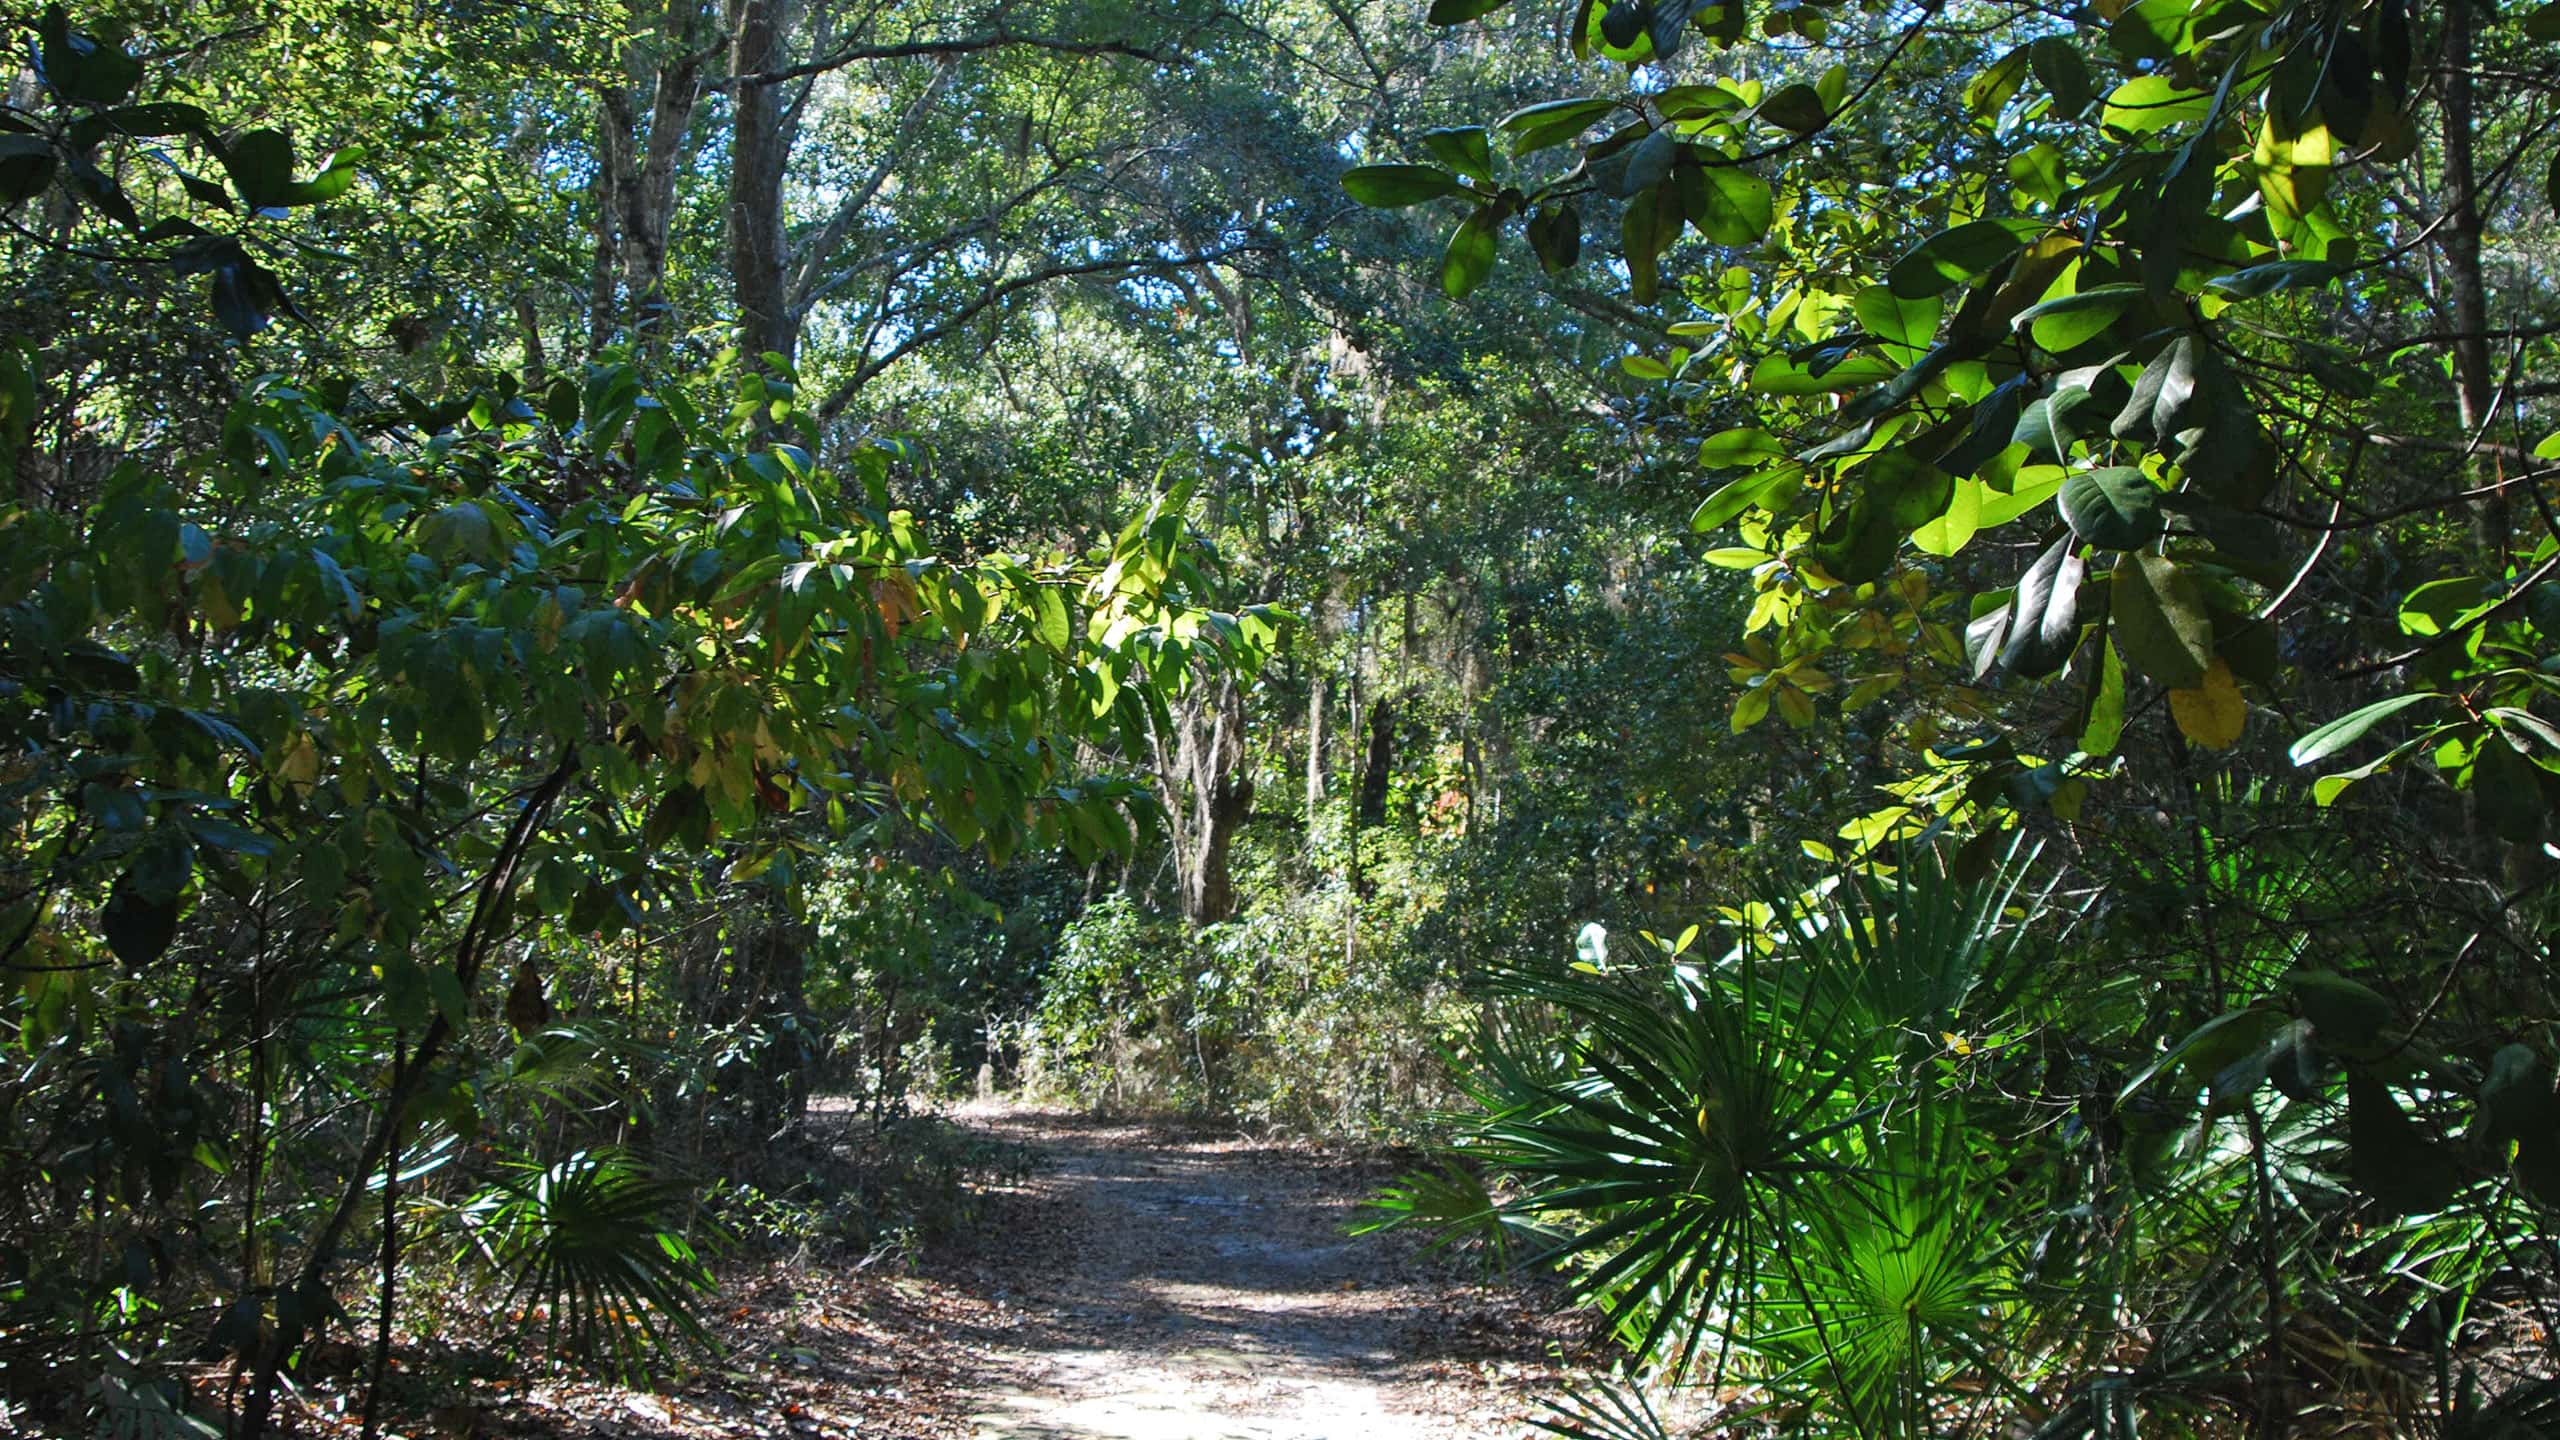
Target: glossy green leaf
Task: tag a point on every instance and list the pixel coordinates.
(1958, 256)
(2347, 729)
(1389, 187)
(1466, 149)
(1468, 262)
(2114, 508)
(2148, 103)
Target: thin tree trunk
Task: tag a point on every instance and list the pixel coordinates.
(2475, 386)
(1315, 753)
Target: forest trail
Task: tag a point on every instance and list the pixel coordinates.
(1174, 1285)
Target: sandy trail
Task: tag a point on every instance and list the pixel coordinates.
(1166, 1286)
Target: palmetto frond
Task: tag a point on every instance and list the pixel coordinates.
(588, 1259)
(1714, 1119)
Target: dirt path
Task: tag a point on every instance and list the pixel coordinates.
(1144, 1283)
(1167, 1286)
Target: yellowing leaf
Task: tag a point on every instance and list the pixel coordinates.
(2214, 713)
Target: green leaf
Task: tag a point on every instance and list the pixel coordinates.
(2104, 728)
(1466, 149)
(1391, 187)
(2116, 508)
(1782, 375)
(2157, 408)
(82, 69)
(1551, 123)
(2276, 275)
(560, 403)
(332, 181)
(1459, 12)
(2058, 66)
(1055, 630)
(155, 119)
(2515, 1099)
(1904, 320)
(2348, 1015)
(1555, 236)
(1954, 529)
(2389, 1157)
(27, 166)
(1637, 168)
(2508, 786)
(1990, 91)
(1958, 256)
(1768, 488)
(1468, 261)
(2068, 322)
(1743, 445)
(138, 927)
(2045, 616)
(2149, 103)
(261, 167)
(2442, 605)
(2159, 620)
(1797, 108)
(2347, 729)
(1738, 207)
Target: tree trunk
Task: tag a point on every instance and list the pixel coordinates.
(1206, 798)
(2458, 239)
(1381, 762)
(759, 152)
(644, 166)
(1315, 753)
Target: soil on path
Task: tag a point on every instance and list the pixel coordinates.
(1172, 1285)
(1144, 1282)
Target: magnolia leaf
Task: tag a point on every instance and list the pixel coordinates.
(1744, 445)
(1958, 256)
(2071, 321)
(1389, 187)
(1737, 207)
(2047, 612)
(2154, 102)
(2104, 726)
(2159, 618)
(1555, 236)
(1797, 108)
(2116, 508)
(1903, 320)
(2214, 713)
(1468, 262)
(1551, 123)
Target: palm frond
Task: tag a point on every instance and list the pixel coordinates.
(589, 1261)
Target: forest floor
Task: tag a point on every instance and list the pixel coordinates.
(1143, 1282)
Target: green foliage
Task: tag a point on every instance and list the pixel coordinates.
(588, 1258)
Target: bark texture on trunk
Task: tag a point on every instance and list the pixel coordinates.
(641, 164)
(1206, 796)
(759, 153)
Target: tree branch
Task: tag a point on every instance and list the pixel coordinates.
(1127, 265)
(949, 48)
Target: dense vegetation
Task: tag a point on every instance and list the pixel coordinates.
(1888, 666)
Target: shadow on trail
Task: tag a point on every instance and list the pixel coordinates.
(1182, 1283)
